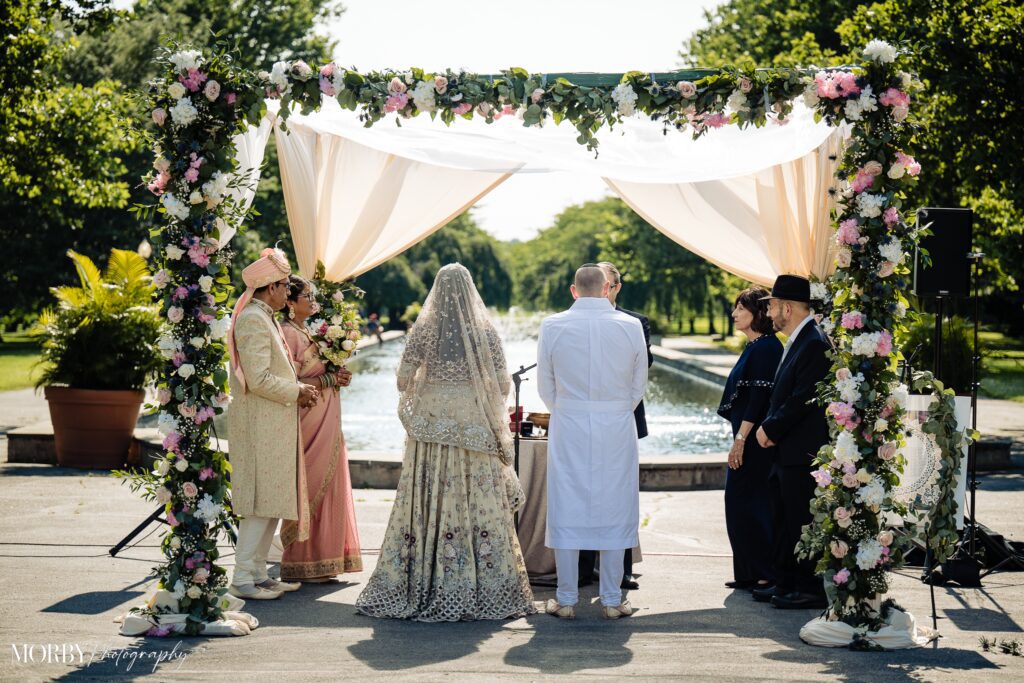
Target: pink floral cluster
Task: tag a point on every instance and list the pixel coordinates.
(898, 100)
(866, 175)
(853, 320)
(192, 174)
(908, 162)
(844, 414)
(835, 84)
(884, 343)
(891, 216)
(848, 232)
(822, 477)
(326, 80)
(194, 80)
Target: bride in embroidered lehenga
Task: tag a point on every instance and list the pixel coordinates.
(451, 552)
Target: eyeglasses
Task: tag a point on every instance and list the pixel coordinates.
(308, 296)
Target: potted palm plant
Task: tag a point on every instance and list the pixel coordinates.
(98, 351)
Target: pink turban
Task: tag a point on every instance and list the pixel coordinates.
(271, 267)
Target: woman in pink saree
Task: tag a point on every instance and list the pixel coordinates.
(333, 545)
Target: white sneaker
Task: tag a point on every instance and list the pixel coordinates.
(279, 586)
(250, 591)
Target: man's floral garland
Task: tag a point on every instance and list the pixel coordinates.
(200, 102)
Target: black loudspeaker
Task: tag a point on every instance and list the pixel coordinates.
(950, 271)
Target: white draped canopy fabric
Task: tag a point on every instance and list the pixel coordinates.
(753, 201)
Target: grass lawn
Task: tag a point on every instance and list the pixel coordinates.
(18, 362)
(1002, 366)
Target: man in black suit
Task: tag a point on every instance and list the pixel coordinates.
(796, 425)
(588, 557)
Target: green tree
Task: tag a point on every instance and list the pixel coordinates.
(60, 148)
(969, 51)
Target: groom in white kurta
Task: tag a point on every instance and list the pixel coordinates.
(592, 372)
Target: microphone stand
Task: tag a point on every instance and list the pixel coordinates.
(517, 380)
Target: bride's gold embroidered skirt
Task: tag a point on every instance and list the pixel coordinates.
(450, 552)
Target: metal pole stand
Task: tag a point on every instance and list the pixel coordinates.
(137, 530)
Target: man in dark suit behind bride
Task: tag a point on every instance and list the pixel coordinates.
(588, 558)
(796, 424)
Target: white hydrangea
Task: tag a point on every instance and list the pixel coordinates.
(900, 394)
(865, 344)
(175, 208)
(851, 110)
(891, 250)
(183, 112)
(738, 101)
(849, 389)
(880, 51)
(819, 292)
(279, 77)
(187, 59)
(869, 552)
(423, 96)
(179, 590)
(219, 328)
(207, 510)
(867, 101)
(846, 450)
(166, 423)
(216, 187)
(870, 205)
(872, 493)
(625, 99)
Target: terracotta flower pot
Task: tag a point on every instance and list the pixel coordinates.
(92, 428)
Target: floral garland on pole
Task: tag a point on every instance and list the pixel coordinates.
(200, 102)
(850, 532)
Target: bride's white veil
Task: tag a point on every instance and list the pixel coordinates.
(454, 344)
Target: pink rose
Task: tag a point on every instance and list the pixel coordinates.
(326, 84)
(841, 576)
(462, 108)
(537, 95)
(212, 90)
(159, 184)
(163, 396)
(484, 108)
(886, 269)
(839, 549)
(175, 314)
(844, 258)
(887, 451)
(886, 538)
(159, 116)
(850, 481)
(842, 517)
(201, 575)
(187, 410)
(843, 374)
(873, 168)
(189, 489)
(161, 279)
(396, 86)
(744, 84)
(686, 89)
(441, 84)
(327, 70)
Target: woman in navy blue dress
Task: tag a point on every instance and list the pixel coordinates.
(748, 517)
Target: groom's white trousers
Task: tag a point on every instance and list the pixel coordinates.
(255, 534)
(567, 564)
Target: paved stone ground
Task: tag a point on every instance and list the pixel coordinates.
(58, 585)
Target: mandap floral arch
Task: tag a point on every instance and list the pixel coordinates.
(201, 101)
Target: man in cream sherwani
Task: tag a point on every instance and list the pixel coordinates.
(266, 466)
(592, 373)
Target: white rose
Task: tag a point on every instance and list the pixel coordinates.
(175, 542)
(348, 345)
(198, 342)
(163, 496)
(896, 171)
(186, 370)
(176, 90)
(206, 283)
(212, 90)
(194, 592)
(181, 465)
(196, 197)
(219, 328)
(162, 467)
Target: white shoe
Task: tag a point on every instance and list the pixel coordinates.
(561, 611)
(279, 586)
(250, 591)
(618, 611)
